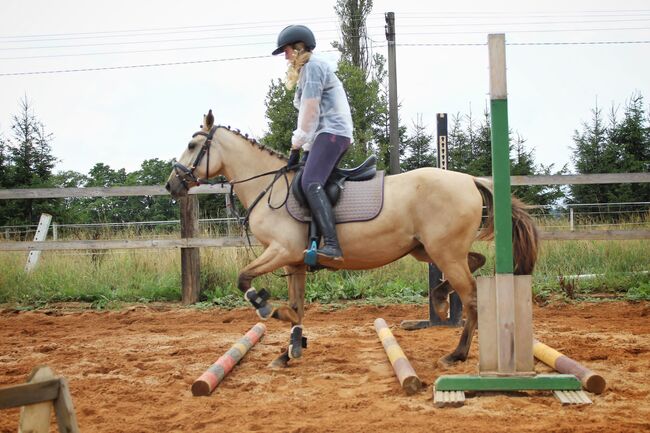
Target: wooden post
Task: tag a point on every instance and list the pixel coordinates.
(393, 118)
(41, 235)
(190, 260)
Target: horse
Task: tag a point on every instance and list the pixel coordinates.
(432, 214)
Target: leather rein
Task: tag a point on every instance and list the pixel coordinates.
(186, 175)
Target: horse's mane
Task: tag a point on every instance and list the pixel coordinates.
(254, 142)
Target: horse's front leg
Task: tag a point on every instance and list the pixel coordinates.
(274, 257)
(296, 276)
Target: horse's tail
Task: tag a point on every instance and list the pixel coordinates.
(525, 238)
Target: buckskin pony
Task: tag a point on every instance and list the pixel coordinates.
(433, 215)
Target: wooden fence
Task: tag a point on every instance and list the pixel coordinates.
(189, 243)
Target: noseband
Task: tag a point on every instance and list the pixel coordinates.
(186, 174)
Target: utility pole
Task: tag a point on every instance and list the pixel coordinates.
(392, 94)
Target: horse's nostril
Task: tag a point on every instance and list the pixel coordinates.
(167, 187)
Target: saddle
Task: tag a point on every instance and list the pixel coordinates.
(333, 187)
(367, 170)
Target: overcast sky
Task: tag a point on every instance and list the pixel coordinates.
(216, 55)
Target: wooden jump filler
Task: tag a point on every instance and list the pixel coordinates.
(591, 381)
(504, 303)
(209, 380)
(407, 377)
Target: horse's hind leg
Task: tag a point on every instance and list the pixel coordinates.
(296, 276)
(459, 276)
(440, 293)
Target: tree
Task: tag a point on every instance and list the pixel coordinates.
(282, 116)
(621, 146)
(354, 37)
(418, 148)
(27, 161)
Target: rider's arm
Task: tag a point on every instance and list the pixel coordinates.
(309, 109)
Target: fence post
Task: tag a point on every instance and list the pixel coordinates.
(40, 236)
(190, 260)
(571, 218)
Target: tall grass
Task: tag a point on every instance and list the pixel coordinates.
(617, 267)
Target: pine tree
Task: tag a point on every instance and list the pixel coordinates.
(418, 148)
(27, 162)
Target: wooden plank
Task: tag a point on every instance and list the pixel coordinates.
(524, 359)
(190, 259)
(35, 418)
(114, 191)
(505, 312)
(65, 414)
(487, 324)
(236, 241)
(448, 398)
(541, 382)
(572, 397)
(129, 191)
(497, 57)
(29, 393)
(124, 244)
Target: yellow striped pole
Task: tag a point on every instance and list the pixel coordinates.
(209, 380)
(591, 381)
(407, 377)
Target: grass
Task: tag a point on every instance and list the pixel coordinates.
(105, 279)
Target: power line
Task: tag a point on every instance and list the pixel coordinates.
(150, 65)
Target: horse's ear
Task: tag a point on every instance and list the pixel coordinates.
(208, 120)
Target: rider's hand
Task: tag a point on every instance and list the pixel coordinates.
(294, 158)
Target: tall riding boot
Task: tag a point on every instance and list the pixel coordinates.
(321, 211)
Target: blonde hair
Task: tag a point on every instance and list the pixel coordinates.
(300, 57)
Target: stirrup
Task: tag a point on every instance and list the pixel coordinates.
(311, 254)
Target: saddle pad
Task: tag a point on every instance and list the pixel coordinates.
(359, 201)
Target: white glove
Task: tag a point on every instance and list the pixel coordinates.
(299, 138)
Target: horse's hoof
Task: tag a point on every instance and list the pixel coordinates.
(295, 351)
(286, 314)
(281, 361)
(447, 361)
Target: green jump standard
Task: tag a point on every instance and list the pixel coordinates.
(540, 382)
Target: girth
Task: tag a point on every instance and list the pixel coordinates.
(367, 170)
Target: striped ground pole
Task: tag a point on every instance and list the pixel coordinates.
(209, 380)
(591, 381)
(405, 374)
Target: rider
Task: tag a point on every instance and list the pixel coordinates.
(324, 129)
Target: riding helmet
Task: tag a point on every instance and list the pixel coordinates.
(295, 33)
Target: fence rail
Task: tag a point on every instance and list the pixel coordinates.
(190, 244)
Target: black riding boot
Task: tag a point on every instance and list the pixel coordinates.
(321, 211)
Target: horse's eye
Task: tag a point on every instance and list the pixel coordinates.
(191, 145)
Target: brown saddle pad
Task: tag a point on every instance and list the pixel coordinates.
(359, 201)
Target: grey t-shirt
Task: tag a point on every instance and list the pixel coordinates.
(318, 81)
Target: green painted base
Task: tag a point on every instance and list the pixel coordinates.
(547, 382)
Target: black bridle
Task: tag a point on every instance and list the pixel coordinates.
(186, 174)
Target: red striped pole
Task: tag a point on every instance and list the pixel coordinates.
(591, 381)
(209, 380)
(405, 374)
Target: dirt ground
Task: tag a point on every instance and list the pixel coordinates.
(131, 371)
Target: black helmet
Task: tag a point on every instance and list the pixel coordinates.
(292, 34)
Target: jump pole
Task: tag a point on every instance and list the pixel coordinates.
(405, 373)
(591, 381)
(504, 303)
(209, 380)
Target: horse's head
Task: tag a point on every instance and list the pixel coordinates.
(199, 161)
